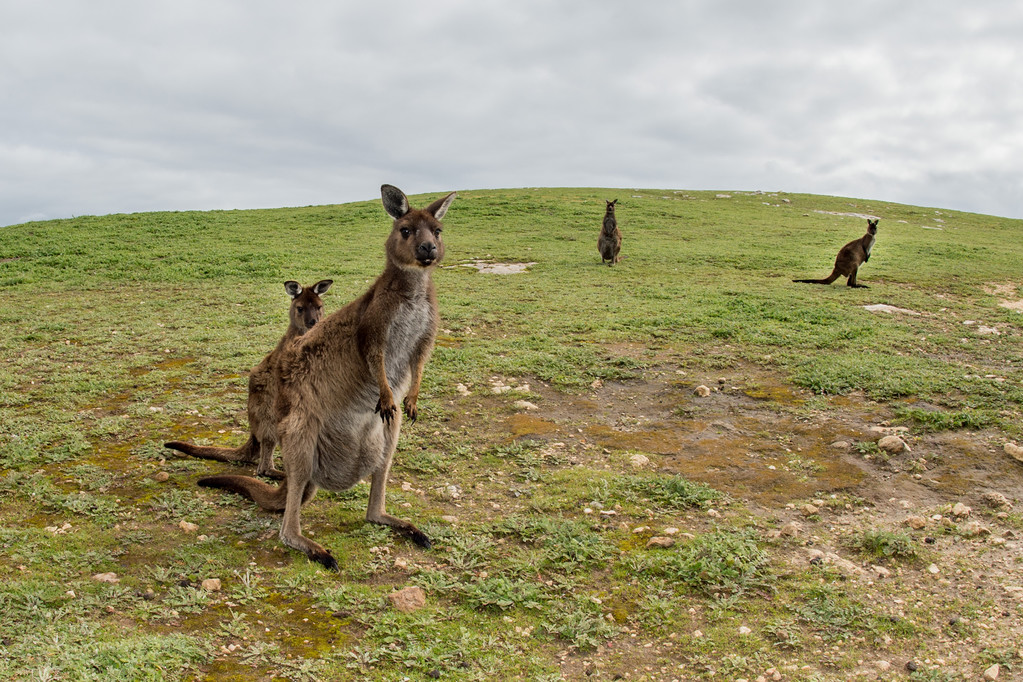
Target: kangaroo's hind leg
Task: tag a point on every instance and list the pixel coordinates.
(852, 280)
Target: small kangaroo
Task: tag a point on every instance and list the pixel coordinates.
(610, 241)
(339, 385)
(850, 258)
(306, 310)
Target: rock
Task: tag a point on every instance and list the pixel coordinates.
(408, 600)
(893, 445)
(525, 405)
(997, 500)
(671, 531)
(187, 526)
(660, 541)
(791, 529)
(211, 584)
(933, 569)
(841, 445)
(463, 390)
(960, 510)
(447, 518)
(881, 571)
(161, 476)
(1014, 451)
(974, 529)
(638, 460)
(714, 513)
(808, 510)
(106, 578)
(702, 391)
(992, 672)
(744, 631)
(916, 522)
(597, 383)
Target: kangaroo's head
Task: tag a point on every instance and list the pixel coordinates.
(610, 206)
(306, 304)
(872, 226)
(415, 240)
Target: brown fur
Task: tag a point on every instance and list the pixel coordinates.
(305, 311)
(610, 241)
(850, 258)
(340, 384)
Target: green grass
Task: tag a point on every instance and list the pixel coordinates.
(123, 331)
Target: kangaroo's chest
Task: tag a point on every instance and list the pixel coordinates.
(411, 324)
(868, 245)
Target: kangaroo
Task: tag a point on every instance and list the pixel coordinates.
(306, 310)
(339, 385)
(850, 258)
(610, 241)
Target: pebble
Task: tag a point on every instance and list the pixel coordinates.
(638, 460)
(933, 569)
(743, 631)
(447, 518)
(187, 526)
(809, 510)
(992, 672)
(892, 445)
(525, 405)
(408, 600)
(106, 578)
(702, 391)
(161, 476)
(997, 500)
(659, 541)
(841, 445)
(1014, 451)
(211, 584)
(713, 513)
(960, 510)
(974, 529)
(791, 529)
(915, 522)
(463, 390)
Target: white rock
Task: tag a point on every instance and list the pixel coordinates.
(187, 526)
(1014, 451)
(638, 460)
(960, 510)
(463, 390)
(702, 391)
(992, 672)
(211, 584)
(743, 631)
(525, 405)
(106, 578)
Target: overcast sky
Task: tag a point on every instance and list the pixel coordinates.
(117, 106)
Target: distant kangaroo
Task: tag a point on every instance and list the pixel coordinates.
(339, 385)
(306, 310)
(850, 258)
(610, 241)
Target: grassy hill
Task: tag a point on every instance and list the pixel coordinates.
(124, 331)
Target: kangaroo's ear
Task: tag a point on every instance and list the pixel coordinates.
(322, 286)
(438, 208)
(293, 288)
(395, 201)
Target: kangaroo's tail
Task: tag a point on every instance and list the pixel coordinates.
(249, 452)
(827, 280)
(268, 497)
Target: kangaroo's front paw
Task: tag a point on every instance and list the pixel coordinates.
(387, 412)
(410, 409)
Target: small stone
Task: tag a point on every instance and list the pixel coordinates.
(447, 518)
(974, 529)
(713, 513)
(697, 633)
(809, 509)
(916, 522)
(841, 445)
(881, 571)
(882, 665)
(106, 578)
(1014, 451)
(525, 405)
(791, 529)
(892, 445)
(408, 600)
(187, 526)
(597, 383)
(933, 569)
(671, 531)
(743, 631)
(638, 460)
(211, 584)
(161, 476)
(702, 391)
(401, 563)
(463, 390)
(659, 541)
(992, 672)
(997, 500)
(960, 510)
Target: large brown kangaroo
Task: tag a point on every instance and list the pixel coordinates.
(339, 385)
(610, 241)
(306, 310)
(850, 258)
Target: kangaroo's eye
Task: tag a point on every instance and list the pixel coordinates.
(405, 232)
(300, 309)
(437, 231)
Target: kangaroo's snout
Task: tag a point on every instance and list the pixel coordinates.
(426, 253)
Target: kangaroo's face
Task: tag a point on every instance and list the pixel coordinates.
(306, 304)
(872, 227)
(415, 240)
(610, 205)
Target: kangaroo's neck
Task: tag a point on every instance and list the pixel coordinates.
(868, 243)
(410, 283)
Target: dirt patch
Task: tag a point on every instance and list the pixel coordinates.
(489, 268)
(1008, 293)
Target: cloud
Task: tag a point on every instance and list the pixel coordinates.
(122, 107)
